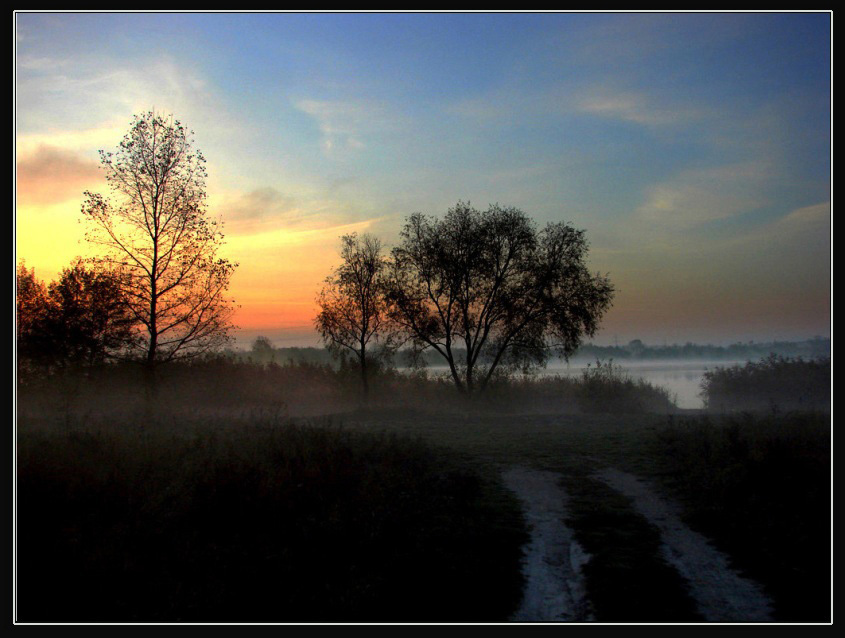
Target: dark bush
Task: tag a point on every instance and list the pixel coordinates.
(773, 383)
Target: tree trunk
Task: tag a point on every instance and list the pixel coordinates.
(365, 381)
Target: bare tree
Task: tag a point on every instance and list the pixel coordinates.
(352, 318)
(487, 291)
(156, 233)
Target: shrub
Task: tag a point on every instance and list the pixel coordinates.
(773, 383)
(607, 388)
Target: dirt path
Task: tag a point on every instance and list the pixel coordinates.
(721, 594)
(554, 589)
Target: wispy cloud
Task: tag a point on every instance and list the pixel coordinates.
(797, 241)
(261, 204)
(636, 107)
(817, 215)
(267, 212)
(696, 197)
(346, 125)
(98, 99)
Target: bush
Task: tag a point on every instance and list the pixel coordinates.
(607, 388)
(773, 383)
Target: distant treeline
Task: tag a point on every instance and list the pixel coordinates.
(263, 352)
(810, 349)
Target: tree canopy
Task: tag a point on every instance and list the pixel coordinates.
(488, 291)
(79, 320)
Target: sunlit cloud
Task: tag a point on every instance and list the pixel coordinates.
(255, 211)
(82, 141)
(52, 175)
(98, 98)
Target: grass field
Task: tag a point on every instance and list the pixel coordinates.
(399, 513)
(758, 485)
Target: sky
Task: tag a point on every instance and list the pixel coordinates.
(693, 148)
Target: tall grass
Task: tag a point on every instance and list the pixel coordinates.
(760, 486)
(259, 522)
(220, 385)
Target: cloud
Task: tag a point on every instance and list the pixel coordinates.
(51, 174)
(89, 105)
(260, 210)
(648, 109)
(262, 203)
(696, 197)
(816, 216)
(345, 124)
(635, 107)
(269, 212)
(81, 141)
(39, 63)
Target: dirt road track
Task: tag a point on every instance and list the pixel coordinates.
(720, 593)
(554, 589)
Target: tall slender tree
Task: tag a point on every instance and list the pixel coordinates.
(155, 231)
(353, 318)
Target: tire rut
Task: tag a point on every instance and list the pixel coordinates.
(721, 594)
(554, 589)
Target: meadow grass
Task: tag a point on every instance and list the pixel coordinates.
(760, 486)
(269, 522)
(220, 506)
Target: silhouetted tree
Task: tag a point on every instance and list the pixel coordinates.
(353, 319)
(30, 312)
(90, 321)
(156, 233)
(489, 287)
(262, 350)
(80, 320)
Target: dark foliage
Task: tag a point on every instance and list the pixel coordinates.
(773, 383)
(490, 283)
(79, 321)
(257, 524)
(760, 486)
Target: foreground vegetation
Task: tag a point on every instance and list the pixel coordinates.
(772, 383)
(256, 522)
(761, 487)
(229, 500)
(757, 485)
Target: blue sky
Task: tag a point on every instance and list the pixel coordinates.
(694, 148)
